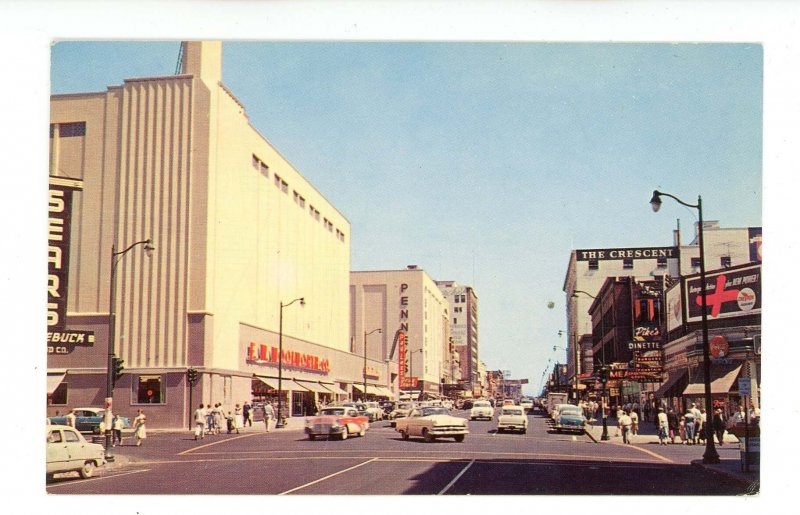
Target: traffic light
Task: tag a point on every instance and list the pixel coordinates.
(603, 375)
(118, 367)
(191, 376)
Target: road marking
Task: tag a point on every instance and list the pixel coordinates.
(451, 483)
(646, 451)
(187, 451)
(327, 477)
(84, 481)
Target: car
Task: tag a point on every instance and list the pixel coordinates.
(508, 402)
(68, 451)
(512, 418)
(336, 421)
(526, 404)
(481, 409)
(87, 420)
(387, 407)
(374, 411)
(431, 422)
(555, 410)
(570, 418)
(401, 410)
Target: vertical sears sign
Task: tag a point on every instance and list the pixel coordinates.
(59, 339)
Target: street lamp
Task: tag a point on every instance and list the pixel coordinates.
(577, 358)
(603, 370)
(112, 319)
(280, 424)
(711, 455)
(365, 359)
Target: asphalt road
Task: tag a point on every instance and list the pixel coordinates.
(286, 463)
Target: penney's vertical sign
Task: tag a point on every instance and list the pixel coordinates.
(59, 209)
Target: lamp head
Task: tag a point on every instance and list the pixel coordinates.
(149, 248)
(655, 202)
(302, 301)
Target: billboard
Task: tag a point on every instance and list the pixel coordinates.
(733, 292)
(674, 314)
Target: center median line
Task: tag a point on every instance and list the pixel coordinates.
(327, 477)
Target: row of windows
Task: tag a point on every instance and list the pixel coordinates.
(627, 263)
(299, 199)
(147, 389)
(724, 262)
(68, 130)
(460, 298)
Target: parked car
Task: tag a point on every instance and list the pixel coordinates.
(570, 418)
(481, 409)
(431, 422)
(338, 421)
(402, 410)
(87, 420)
(374, 411)
(512, 418)
(68, 450)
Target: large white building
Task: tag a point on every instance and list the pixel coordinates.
(464, 332)
(238, 232)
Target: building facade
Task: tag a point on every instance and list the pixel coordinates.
(238, 233)
(464, 330)
(414, 318)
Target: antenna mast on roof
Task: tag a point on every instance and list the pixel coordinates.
(180, 59)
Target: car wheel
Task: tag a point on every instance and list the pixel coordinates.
(459, 438)
(312, 437)
(49, 477)
(426, 435)
(404, 435)
(472, 418)
(345, 434)
(363, 432)
(87, 470)
(525, 430)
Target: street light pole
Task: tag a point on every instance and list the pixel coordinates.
(710, 455)
(279, 424)
(365, 359)
(112, 327)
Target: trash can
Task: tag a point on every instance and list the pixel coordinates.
(750, 453)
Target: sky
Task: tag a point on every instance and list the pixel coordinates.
(487, 163)
(481, 163)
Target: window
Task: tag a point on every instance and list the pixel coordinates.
(68, 130)
(59, 397)
(661, 262)
(627, 263)
(298, 198)
(695, 262)
(594, 264)
(264, 170)
(256, 162)
(150, 390)
(71, 436)
(725, 261)
(455, 321)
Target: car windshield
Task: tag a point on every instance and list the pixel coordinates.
(512, 412)
(332, 411)
(572, 410)
(482, 404)
(433, 410)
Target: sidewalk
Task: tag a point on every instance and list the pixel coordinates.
(648, 435)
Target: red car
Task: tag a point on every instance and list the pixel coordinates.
(338, 421)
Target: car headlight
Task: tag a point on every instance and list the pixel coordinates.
(336, 423)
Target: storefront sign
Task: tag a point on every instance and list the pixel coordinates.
(754, 238)
(60, 340)
(729, 293)
(626, 253)
(718, 347)
(371, 373)
(259, 354)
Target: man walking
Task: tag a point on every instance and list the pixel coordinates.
(663, 426)
(689, 419)
(269, 414)
(116, 430)
(246, 414)
(625, 423)
(672, 419)
(719, 425)
(199, 422)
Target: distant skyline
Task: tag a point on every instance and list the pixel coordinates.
(487, 163)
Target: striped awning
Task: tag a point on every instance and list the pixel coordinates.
(54, 378)
(272, 382)
(722, 380)
(334, 388)
(312, 385)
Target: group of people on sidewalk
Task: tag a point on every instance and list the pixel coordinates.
(209, 420)
(139, 428)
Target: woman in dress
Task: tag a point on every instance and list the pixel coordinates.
(139, 430)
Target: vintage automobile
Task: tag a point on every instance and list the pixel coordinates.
(68, 451)
(512, 418)
(481, 409)
(87, 420)
(374, 411)
(526, 404)
(402, 410)
(336, 421)
(570, 418)
(431, 422)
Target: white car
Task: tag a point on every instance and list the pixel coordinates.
(481, 409)
(526, 404)
(68, 451)
(431, 422)
(374, 411)
(512, 418)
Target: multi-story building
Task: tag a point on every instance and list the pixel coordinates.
(414, 316)
(464, 330)
(238, 232)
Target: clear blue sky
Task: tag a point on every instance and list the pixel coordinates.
(486, 163)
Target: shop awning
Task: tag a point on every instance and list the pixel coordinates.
(312, 385)
(334, 388)
(294, 385)
(673, 386)
(723, 378)
(359, 387)
(381, 391)
(54, 378)
(272, 382)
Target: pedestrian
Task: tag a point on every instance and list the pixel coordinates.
(269, 413)
(209, 420)
(625, 423)
(689, 424)
(620, 412)
(218, 417)
(199, 422)
(696, 416)
(718, 424)
(238, 417)
(101, 428)
(247, 412)
(663, 426)
(682, 429)
(634, 422)
(230, 421)
(116, 435)
(139, 429)
(673, 424)
(700, 427)
(70, 418)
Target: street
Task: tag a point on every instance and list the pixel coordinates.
(540, 462)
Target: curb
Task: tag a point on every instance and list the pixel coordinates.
(731, 475)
